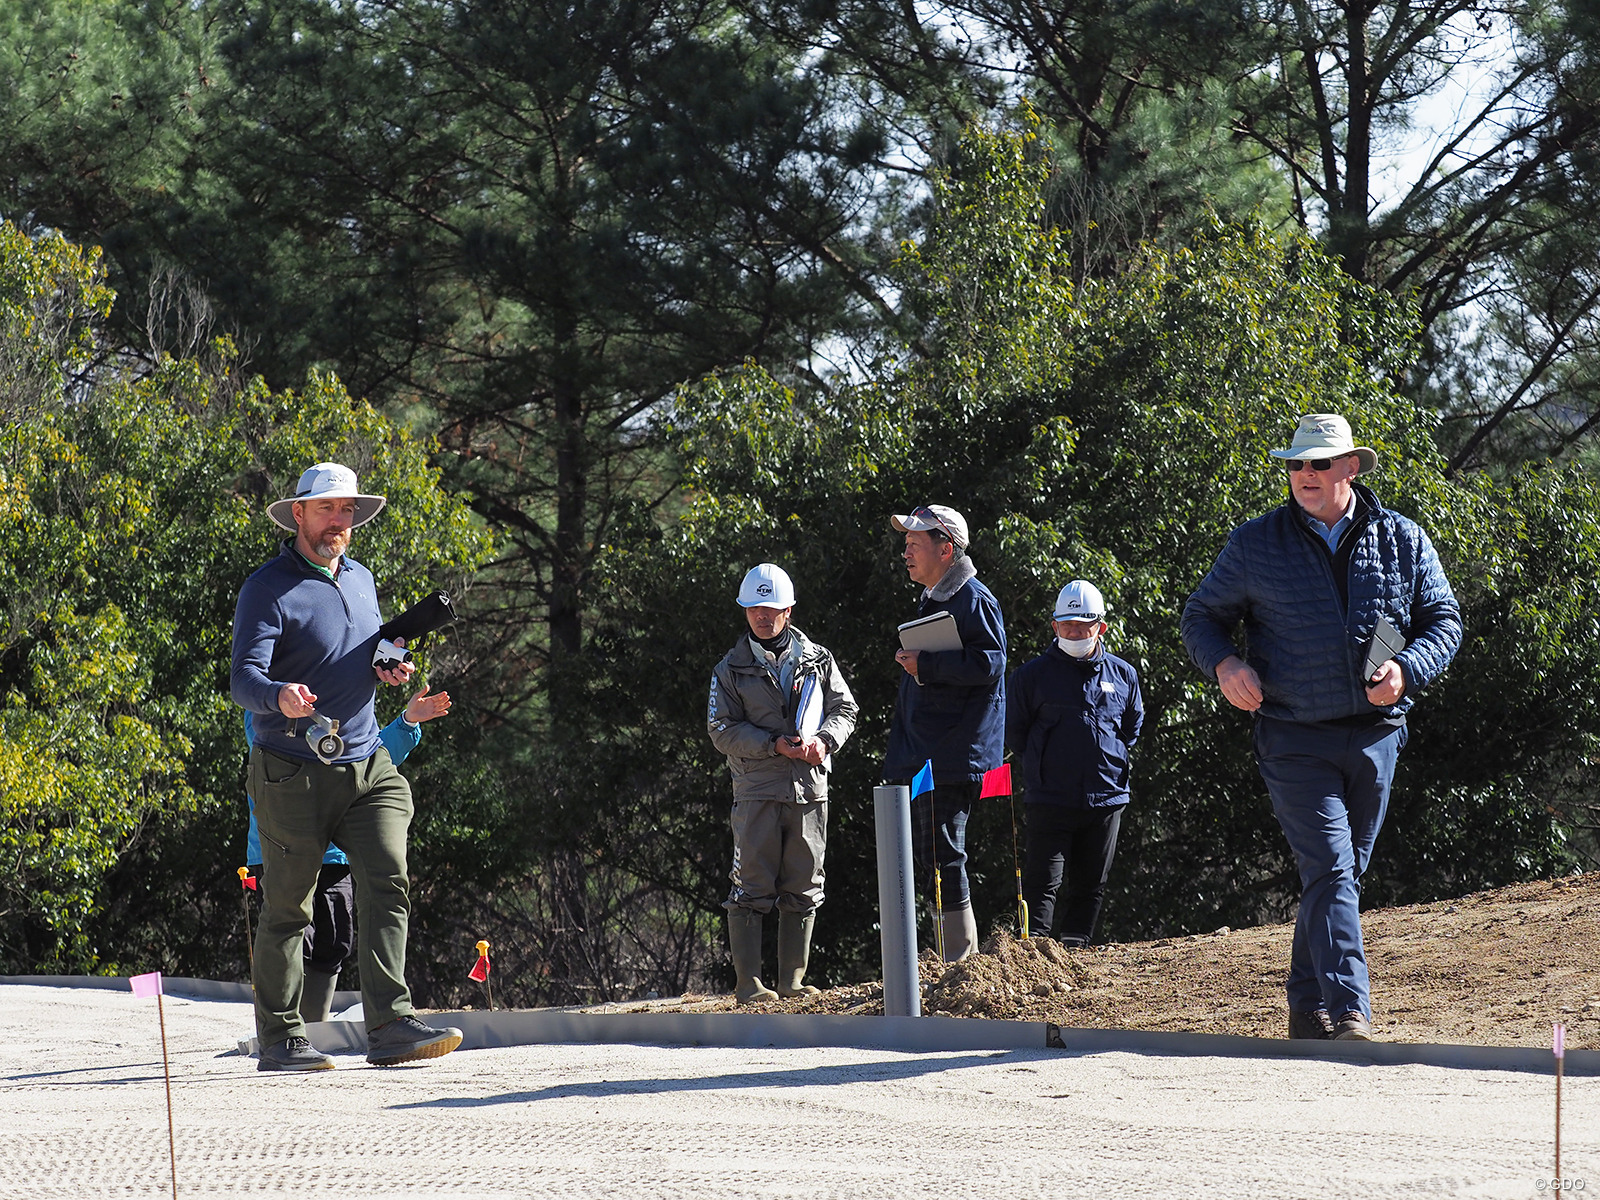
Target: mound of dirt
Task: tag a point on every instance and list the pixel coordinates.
(1493, 968)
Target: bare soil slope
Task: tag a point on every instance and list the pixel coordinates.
(1493, 968)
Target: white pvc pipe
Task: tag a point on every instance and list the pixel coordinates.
(897, 913)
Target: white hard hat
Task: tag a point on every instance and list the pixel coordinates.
(1080, 600)
(766, 586)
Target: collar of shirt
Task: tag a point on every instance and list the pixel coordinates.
(1331, 534)
(332, 572)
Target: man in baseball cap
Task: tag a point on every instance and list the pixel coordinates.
(950, 710)
(780, 707)
(304, 632)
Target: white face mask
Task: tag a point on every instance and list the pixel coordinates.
(1078, 647)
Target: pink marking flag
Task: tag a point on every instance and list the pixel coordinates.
(996, 782)
(145, 986)
(1560, 1046)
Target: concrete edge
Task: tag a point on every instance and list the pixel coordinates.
(491, 1030)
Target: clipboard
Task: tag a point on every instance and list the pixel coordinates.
(1385, 644)
(937, 631)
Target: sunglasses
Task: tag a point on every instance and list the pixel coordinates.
(923, 511)
(1316, 464)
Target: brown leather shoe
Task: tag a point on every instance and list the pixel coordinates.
(1353, 1027)
(1310, 1026)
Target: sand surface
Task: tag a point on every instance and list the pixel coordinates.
(81, 1076)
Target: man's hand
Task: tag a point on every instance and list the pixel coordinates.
(908, 660)
(811, 749)
(1390, 685)
(1240, 683)
(423, 707)
(400, 675)
(296, 700)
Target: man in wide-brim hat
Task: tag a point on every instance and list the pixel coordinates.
(1312, 583)
(304, 633)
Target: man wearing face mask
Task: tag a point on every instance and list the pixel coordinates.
(1072, 717)
(779, 710)
(1320, 586)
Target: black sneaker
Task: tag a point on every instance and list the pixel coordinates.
(1353, 1027)
(293, 1054)
(406, 1039)
(1311, 1026)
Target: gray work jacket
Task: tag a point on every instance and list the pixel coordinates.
(747, 710)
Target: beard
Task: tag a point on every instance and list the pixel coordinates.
(332, 545)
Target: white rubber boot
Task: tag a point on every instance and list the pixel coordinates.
(960, 933)
(316, 999)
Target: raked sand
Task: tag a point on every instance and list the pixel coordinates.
(81, 1084)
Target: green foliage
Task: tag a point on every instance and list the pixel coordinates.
(1117, 429)
(132, 510)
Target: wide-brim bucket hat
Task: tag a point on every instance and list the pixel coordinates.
(1327, 435)
(326, 481)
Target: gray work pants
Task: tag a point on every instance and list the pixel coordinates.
(778, 848)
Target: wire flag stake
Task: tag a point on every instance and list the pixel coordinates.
(247, 883)
(143, 987)
(480, 972)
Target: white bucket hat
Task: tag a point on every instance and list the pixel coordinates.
(1327, 435)
(326, 481)
(766, 586)
(934, 518)
(1080, 600)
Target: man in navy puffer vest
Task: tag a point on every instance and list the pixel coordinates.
(1309, 581)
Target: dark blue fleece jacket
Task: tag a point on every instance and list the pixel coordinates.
(1070, 722)
(293, 624)
(957, 716)
(1304, 635)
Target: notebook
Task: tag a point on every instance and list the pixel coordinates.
(934, 632)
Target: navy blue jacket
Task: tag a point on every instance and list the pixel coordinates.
(1307, 644)
(1070, 722)
(956, 717)
(293, 624)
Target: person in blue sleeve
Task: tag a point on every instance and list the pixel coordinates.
(305, 632)
(950, 710)
(331, 935)
(1072, 717)
(1309, 582)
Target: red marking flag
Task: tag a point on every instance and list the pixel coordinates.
(996, 782)
(145, 986)
(480, 969)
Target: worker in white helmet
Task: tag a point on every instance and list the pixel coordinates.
(1072, 717)
(779, 710)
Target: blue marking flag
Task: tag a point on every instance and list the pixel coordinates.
(924, 780)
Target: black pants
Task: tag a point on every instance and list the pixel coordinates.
(1076, 842)
(332, 932)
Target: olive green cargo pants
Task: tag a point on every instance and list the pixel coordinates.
(365, 809)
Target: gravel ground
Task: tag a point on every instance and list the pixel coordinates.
(81, 1073)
